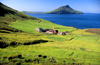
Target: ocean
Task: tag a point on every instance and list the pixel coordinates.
(80, 21)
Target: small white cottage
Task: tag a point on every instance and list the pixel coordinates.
(39, 29)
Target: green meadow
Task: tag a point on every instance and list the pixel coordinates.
(21, 44)
(31, 25)
(79, 47)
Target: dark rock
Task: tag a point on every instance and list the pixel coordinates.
(73, 63)
(14, 61)
(19, 56)
(44, 57)
(0, 38)
(3, 44)
(27, 60)
(36, 59)
(39, 55)
(10, 58)
(13, 43)
(4, 57)
(18, 63)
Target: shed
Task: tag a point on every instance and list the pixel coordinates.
(50, 31)
(55, 31)
(39, 29)
(61, 33)
(44, 30)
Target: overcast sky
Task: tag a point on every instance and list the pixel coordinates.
(86, 6)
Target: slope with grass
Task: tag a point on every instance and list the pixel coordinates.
(80, 47)
(9, 15)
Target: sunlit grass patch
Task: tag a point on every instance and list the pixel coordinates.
(87, 38)
(19, 37)
(82, 32)
(31, 25)
(98, 40)
(57, 38)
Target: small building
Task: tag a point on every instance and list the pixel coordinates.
(52, 31)
(39, 29)
(49, 32)
(44, 30)
(72, 27)
(55, 31)
(61, 33)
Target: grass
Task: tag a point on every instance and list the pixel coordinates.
(61, 38)
(9, 15)
(87, 38)
(57, 38)
(21, 44)
(30, 25)
(61, 51)
(98, 40)
(80, 47)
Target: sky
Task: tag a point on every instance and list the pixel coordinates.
(86, 6)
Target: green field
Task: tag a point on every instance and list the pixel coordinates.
(21, 44)
(79, 47)
(31, 25)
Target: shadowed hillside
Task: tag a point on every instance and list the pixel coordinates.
(7, 10)
(9, 15)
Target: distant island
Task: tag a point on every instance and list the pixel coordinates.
(61, 10)
(65, 10)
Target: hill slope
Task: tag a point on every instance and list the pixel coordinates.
(9, 15)
(65, 10)
(33, 48)
(7, 10)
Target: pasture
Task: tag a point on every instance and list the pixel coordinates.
(32, 47)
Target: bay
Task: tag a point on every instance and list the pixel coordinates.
(80, 21)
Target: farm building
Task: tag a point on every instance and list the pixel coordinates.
(44, 30)
(61, 33)
(50, 31)
(39, 29)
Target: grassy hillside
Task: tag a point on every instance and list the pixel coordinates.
(9, 15)
(31, 25)
(80, 47)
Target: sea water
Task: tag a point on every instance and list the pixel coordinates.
(81, 21)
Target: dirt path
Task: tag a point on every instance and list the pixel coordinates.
(39, 21)
(73, 38)
(97, 40)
